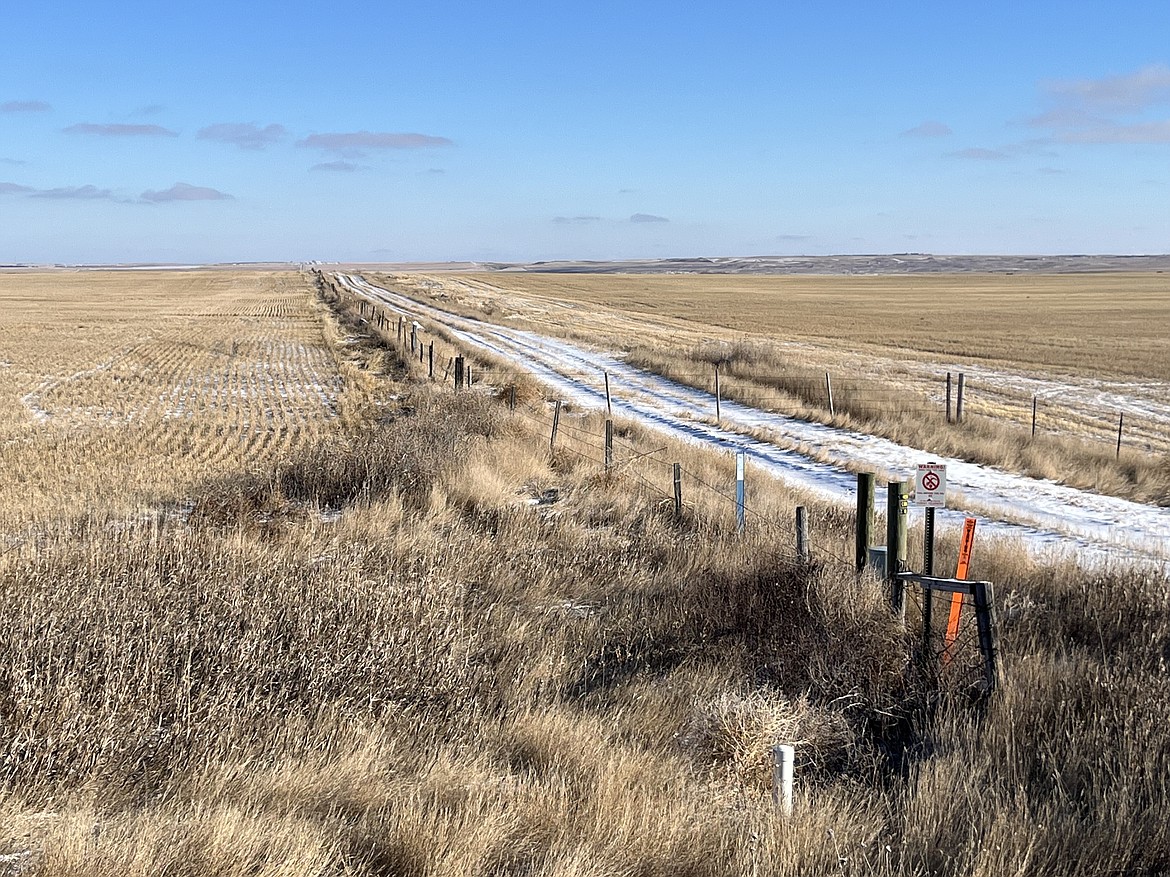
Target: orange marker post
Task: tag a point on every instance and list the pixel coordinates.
(965, 547)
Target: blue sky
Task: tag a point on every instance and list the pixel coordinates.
(214, 131)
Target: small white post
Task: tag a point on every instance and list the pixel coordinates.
(739, 497)
(783, 757)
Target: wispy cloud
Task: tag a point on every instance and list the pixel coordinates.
(1116, 132)
(1112, 109)
(339, 166)
(929, 128)
(185, 192)
(575, 220)
(149, 110)
(647, 217)
(793, 238)
(121, 130)
(352, 143)
(978, 153)
(15, 162)
(24, 106)
(1130, 92)
(15, 189)
(245, 135)
(75, 193)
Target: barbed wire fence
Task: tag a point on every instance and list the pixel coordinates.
(952, 655)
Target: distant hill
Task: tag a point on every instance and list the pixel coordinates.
(898, 263)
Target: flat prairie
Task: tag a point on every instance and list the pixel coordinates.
(280, 605)
(1103, 324)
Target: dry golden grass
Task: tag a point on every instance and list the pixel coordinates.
(1093, 324)
(452, 679)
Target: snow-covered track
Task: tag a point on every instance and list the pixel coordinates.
(1052, 519)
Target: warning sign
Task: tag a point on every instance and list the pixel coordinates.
(930, 486)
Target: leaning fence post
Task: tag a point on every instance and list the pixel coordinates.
(897, 510)
(608, 403)
(1120, 422)
(829, 393)
(864, 535)
(678, 490)
(984, 594)
(552, 439)
(802, 533)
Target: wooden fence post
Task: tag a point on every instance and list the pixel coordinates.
(802, 533)
(864, 535)
(949, 397)
(608, 403)
(552, 439)
(459, 373)
(718, 415)
(678, 490)
(512, 398)
(1033, 415)
(608, 444)
(829, 393)
(959, 401)
(1120, 422)
(984, 595)
(897, 510)
(431, 360)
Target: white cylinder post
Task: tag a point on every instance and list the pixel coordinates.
(783, 758)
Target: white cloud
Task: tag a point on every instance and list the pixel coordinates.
(351, 143)
(75, 193)
(335, 166)
(1133, 91)
(121, 130)
(245, 135)
(928, 128)
(185, 192)
(978, 153)
(24, 106)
